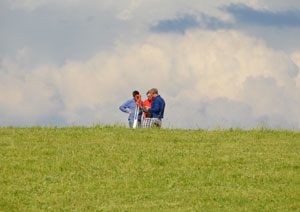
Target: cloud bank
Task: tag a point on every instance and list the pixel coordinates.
(209, 79)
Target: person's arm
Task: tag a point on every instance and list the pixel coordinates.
(154, 107)
(125, 107)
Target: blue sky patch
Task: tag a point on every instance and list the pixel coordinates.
(178, 25)
(247, 15)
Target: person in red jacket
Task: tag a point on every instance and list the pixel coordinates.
(147, 103)
(157, 110)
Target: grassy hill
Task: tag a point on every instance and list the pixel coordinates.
(111, 168)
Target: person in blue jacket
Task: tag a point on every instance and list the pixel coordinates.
(129, 107)
(157, 110)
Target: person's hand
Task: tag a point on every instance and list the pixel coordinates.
(145, 109)
(129, 111)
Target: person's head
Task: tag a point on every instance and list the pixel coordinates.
(134, 93)
(149, 95)
(154, 92)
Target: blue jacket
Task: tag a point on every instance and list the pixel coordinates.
(158, 107)
(130, 105)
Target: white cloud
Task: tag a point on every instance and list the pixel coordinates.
(280, 5)
(296, 59)
(126, 14)
(26, 94)
(208, 79)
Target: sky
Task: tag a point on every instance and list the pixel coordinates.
(218, 64)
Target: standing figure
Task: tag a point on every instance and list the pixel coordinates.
(147, 103)
(157, 110)
(130, 107)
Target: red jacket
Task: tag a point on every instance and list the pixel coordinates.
(147, 104)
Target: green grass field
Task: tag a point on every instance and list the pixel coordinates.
(112, 168)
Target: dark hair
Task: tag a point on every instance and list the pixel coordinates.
(135, 93)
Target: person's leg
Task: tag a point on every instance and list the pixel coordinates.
(146, 123)
(130, 123)
(157, 123)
